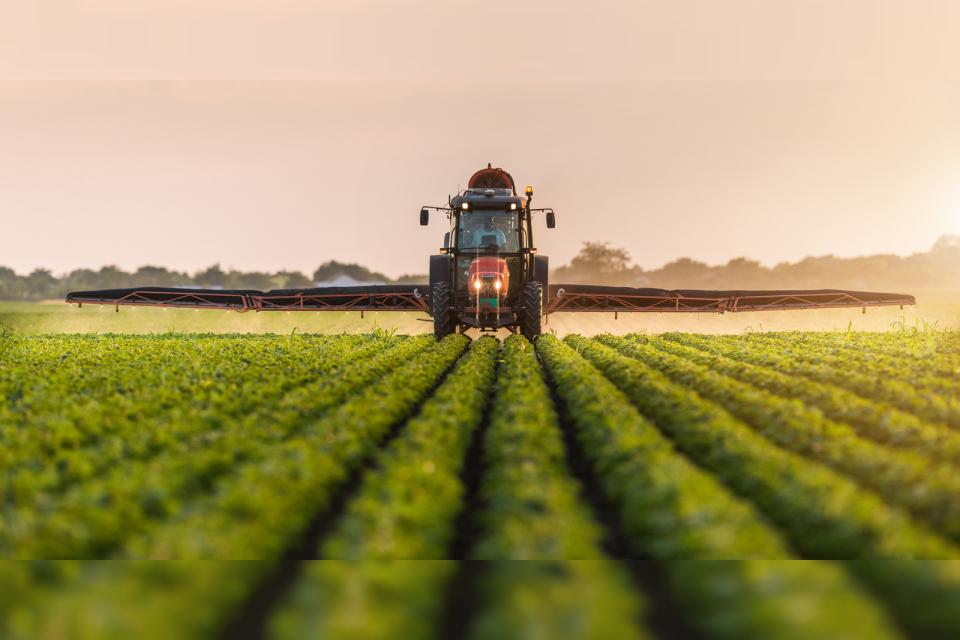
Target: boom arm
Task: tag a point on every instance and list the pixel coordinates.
(366, 298)
(593, 298)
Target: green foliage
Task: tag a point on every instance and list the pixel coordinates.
(290, 482)
(532, 511)
(405, 510)
(157, 480)
(871, 419)
(760, 447)
(823, 514)
(673, 510)
(904, 478)
(332, 269)
(930, 393)
(670, 508)
(282, 492)
(406, 505)
(599, 262)
(365, 600)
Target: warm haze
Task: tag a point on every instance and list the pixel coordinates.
(273, 135)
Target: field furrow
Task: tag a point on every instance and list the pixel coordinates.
(575, 488)
(923, 368)
(913, 347)
(823, 514)
(405, 510)
(142, 493)
(283, 495)
(938, 409)
(152, 430)
(672, 510)
(877, 421)
(531, 510)
(927, 489)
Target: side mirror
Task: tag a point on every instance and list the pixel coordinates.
(446, 240)
(424, 217)
(551, 220)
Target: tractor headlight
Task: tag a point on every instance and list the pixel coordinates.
(477, 284)
(498, 284)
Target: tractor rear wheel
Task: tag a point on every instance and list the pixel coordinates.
(441, 306)
(531, 312)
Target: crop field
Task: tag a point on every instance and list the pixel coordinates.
(382, 485)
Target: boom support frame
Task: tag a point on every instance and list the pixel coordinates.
(589, 298)
(561, 298)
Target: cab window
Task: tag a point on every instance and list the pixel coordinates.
(489, 231)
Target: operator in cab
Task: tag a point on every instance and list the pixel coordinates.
(482, 235)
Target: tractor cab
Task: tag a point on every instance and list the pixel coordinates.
(489, 235)
(488, 268)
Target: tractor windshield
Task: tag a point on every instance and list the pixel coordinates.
(489, 230)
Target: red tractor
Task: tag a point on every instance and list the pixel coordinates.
(488, 274)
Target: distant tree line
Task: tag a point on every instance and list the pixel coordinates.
(41, 284)
(597, 263)
(937, 269)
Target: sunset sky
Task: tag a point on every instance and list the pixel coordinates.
(276, 134)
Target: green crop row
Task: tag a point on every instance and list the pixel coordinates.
(668, 507)
(148, 423)
(873, 420)
(111, 380)
(121, 599)
(282, 494)
(131, 498)
(530, 509)
(672, 510)
(933, 407)
(923, 370)
(823, 514)
(289, 471)
(914, 482)
(912, 346)
(406, 509)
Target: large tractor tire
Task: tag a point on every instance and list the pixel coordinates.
(441, 307)
(531, 312)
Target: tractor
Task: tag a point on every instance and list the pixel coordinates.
(488, 275)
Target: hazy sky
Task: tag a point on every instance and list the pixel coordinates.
(279, 134)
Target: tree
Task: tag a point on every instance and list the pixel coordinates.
(160, 276)
(600, 263)
(41, 284)
(331, 269)
(684, 272)
(213, 276)
(113, 277)
(256, 280)
(292, 280)
(743, 273)
(12, 286)
(948, 244)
